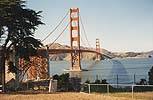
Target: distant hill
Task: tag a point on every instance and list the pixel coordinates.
(89, 56)
(84, 56)
(134, 54)
(146, 54)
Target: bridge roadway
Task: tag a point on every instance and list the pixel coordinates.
(58, 51)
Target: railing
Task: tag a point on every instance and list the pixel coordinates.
(118, 88)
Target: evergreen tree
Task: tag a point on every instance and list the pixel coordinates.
(17, 28)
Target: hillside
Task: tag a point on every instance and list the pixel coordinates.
(89, 56)
(134, 54)
(62, 56)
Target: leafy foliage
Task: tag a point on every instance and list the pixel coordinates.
(18, 24)
(142, 82)
(150, 73)
(12, 68)
(63, 81)
(17, 27)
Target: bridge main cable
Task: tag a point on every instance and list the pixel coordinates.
(56, 27)
(59, 34)
(84, 32)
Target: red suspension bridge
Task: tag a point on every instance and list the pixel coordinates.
(74, 50)
(75, 41)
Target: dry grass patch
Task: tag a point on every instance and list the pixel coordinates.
(59, 96)
(142, 95)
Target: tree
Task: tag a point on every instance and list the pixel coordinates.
(104, 81)
(142, 82)
(17, 28)
(150, 73)
(63, 81)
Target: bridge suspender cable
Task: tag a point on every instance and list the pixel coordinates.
(60, 34)
(55, 27)
(84, 32)
(83, 43)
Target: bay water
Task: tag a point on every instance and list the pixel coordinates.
(115, 71)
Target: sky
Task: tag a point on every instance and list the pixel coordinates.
(121, 25)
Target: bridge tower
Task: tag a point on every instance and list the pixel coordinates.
(75, 39)
(98, 49)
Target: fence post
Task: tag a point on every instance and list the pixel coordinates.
(117, 80)
(50, 85)
(132, 91)
(108, 89)
(96, 77)
(89, 88)
(134, 79)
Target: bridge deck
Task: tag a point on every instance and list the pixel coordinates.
(58, 51)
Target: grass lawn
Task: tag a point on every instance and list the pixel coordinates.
(76, 96)
(141, 95)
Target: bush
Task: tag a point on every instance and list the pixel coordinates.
(150, 73)
(65, 83)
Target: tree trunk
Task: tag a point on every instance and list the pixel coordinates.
(2, 68)
(17, 66)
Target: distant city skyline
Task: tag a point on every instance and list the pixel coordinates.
(121, 25)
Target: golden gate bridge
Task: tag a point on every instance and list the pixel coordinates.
(74, 50)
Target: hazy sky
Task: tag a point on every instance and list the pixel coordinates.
(121, 25)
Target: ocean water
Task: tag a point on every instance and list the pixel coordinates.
(115, 71)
